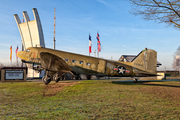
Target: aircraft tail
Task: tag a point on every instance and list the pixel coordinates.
(145, 62)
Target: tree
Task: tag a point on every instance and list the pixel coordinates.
(163, 11)
(176, 62)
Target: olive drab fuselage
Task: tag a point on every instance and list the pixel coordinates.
(143, 65)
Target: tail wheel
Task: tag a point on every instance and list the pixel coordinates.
(46, 79)
(135, 80)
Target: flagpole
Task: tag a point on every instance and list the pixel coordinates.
(16, 56)
(17, 62)
(94, 53)
(54, 28)
(11, 61)
(11, 56)
(97, 46)
(21, 61)
(90, 44)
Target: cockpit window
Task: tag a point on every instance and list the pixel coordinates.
(27, 50)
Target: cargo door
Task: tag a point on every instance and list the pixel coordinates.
(101, 66)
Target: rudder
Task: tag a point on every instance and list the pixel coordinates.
(146, 61)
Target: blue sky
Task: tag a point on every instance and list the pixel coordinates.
(121, 33)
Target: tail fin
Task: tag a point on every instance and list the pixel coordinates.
(145, 62)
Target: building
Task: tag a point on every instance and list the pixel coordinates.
(31, 34)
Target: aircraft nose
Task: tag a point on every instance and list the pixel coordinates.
(23, 55)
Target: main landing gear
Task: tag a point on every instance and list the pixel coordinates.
(78, 77)
(46, 79)
(57, 76)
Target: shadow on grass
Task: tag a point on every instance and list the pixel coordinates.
(147, 82)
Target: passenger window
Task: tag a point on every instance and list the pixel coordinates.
(88, 63)
(81, 62)
(66, 59)
(73, 61)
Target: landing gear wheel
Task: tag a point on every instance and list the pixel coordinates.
(77, 77)
(135, 80)
(56, 77)
(63, 78)
(46, 79)
(88, 77)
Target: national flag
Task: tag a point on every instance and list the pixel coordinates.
(11, 53)
(90, 43)
(17, 52)
(98, 42)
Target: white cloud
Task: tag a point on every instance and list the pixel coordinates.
(5, 45)
(103, 2)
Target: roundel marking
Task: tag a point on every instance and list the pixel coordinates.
(121, 70)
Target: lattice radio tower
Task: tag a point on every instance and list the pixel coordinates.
(54, 28)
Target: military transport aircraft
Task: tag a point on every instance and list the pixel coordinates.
(56, 63)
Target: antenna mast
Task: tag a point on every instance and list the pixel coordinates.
(54, 27)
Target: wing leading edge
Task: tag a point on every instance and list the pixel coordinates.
(54, 63)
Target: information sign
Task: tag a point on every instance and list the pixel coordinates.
(13, 75)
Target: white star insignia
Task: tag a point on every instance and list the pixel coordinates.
(121, 70)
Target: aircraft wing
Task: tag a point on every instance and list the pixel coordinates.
(52, 62)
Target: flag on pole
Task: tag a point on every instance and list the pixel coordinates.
(11, 53)
(98, 42)
(17, 52)
(90, 43)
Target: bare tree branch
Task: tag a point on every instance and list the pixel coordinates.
(159, 10)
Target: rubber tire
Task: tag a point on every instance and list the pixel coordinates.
(57, 79)
(78, 77)
(135, 80)
(46, 80)
(88, 77)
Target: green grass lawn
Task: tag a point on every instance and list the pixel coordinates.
(91, 99)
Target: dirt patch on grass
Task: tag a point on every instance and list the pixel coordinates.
(53, 89)
(165, 91)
